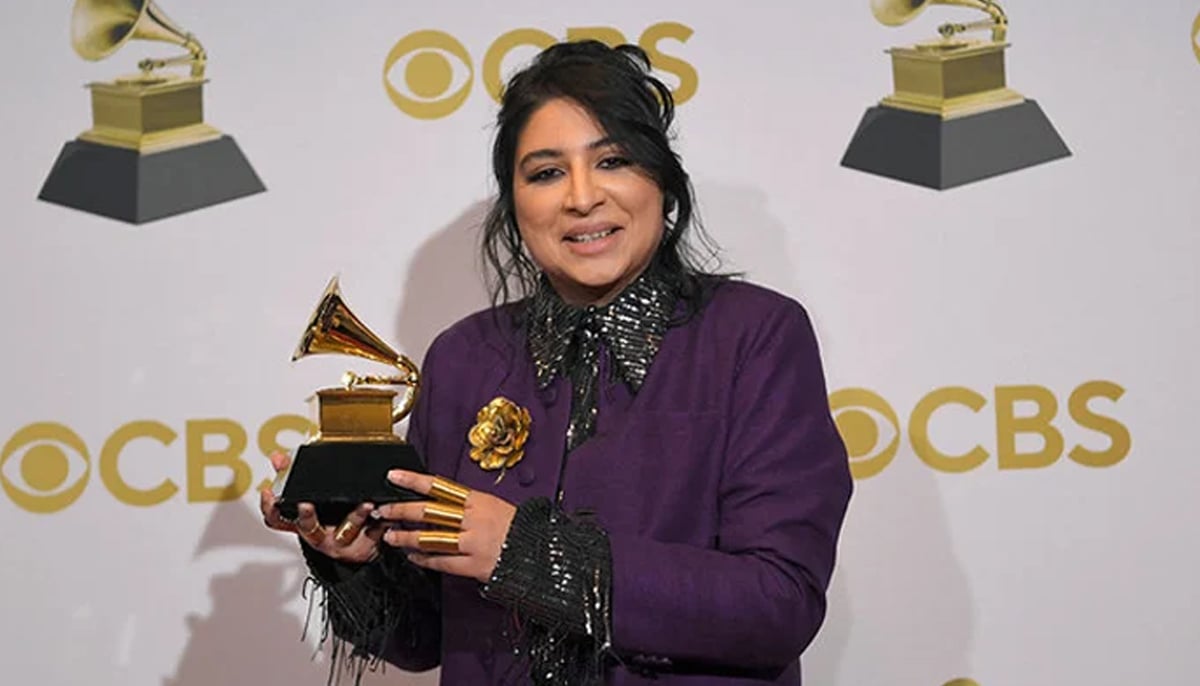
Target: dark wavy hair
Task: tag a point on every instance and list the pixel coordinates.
(635, 110)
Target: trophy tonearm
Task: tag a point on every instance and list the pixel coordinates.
(898, 12)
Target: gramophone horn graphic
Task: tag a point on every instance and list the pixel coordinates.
(952, 119)
(149, 154)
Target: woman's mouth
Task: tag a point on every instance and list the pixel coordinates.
(592, 236)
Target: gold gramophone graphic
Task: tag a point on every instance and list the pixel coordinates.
(149, 153)
(951, 118)
(346, 462)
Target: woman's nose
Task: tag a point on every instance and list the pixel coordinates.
(583, 194)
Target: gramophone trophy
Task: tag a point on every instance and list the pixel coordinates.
(952, 119)
(149, 154)
(347, 461)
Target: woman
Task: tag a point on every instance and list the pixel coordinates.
(633, 469)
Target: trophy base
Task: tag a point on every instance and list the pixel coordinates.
(337, 477)
(129, 186)
(927, 150)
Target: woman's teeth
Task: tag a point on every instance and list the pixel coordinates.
(589, 237)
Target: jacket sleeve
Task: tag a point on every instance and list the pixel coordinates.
(757, 599)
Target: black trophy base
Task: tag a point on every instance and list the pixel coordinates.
(134, 187)
(928, 151)
(337, 477)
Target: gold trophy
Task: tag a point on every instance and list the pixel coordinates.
(346, 462)
(951, 118)
(149, 153)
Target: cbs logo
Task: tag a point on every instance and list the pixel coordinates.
(421, 63)
(1196, 36)
(45, 466)
(871, 429)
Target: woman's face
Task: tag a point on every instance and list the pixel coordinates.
(590, 218)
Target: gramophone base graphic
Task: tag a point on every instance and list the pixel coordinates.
(952, 119)
(929, 151)
(149, 155)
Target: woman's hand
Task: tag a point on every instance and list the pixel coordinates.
(351, 541)
(484, 524)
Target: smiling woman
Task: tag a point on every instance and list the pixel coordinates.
(678, 483)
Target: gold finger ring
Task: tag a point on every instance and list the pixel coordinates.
(347, 532)
(448, 491)
(442, 514)
(438, 542)
(314, 535)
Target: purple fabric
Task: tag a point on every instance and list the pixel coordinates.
(723, 485)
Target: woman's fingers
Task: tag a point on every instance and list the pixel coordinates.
(353, 525)
(266, 498)
(279, 461)
(308, 527)
(402, 512)
(266, 503)
(353, 539)
(399, 538)
(436, 487)
(459, 531)
(452, 552)
(420, 483)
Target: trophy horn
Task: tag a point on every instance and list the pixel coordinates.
(334, 329)
(100, 27)
(899, 12)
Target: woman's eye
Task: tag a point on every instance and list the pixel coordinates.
(615, 162)
(542, 175)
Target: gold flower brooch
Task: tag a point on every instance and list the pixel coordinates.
(499, 435)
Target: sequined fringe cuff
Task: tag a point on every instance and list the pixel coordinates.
(367, 610)
(555, 572)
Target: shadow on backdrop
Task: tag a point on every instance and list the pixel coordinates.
(749, 238)
(444, 282)
(250, 637)
(900, 603)
(249, 634)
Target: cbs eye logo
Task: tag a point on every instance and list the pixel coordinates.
(1196, 36)
(871, 429)
(857, 413)
(420, 78)
(44, 467)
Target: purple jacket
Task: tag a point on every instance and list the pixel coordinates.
(722, 485)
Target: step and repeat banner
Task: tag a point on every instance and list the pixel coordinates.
(994, 227)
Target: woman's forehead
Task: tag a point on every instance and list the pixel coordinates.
(561, 124)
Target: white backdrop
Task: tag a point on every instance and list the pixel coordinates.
(165, 347)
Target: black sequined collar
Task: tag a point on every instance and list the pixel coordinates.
(631, 328)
